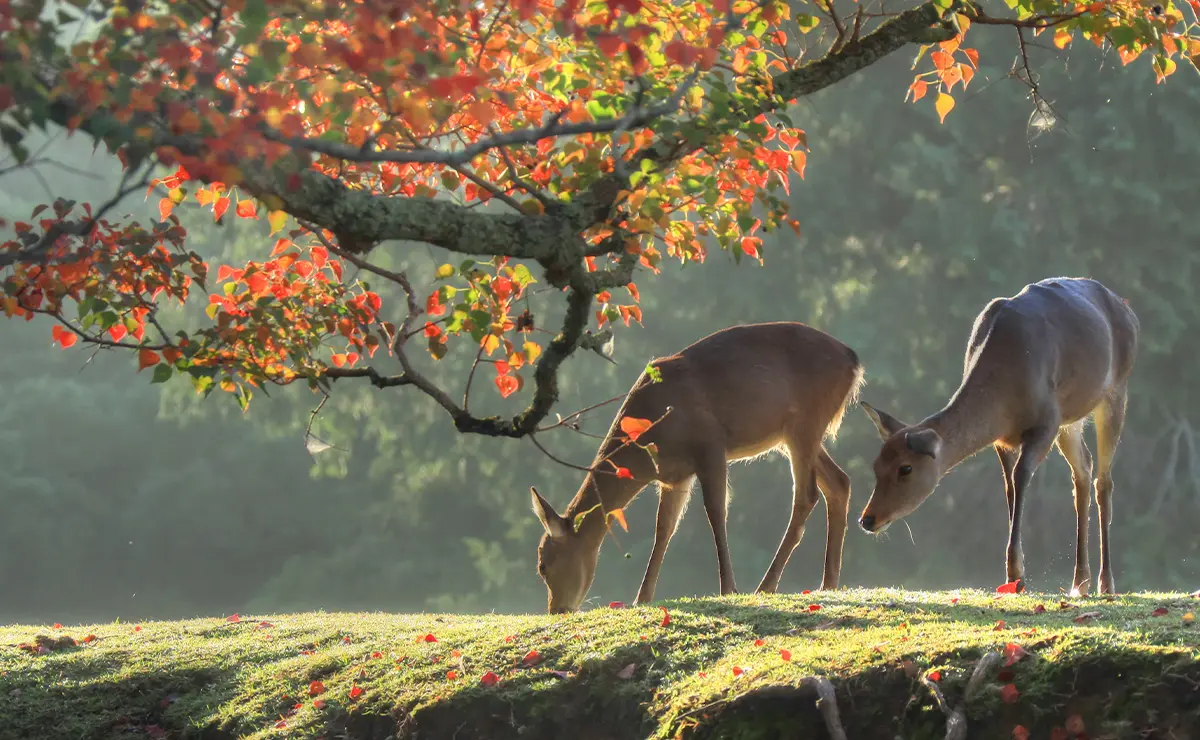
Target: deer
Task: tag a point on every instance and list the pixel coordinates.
(736, 394)
(1038, 365)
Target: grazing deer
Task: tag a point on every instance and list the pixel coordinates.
(1037, 366)
(735, 394)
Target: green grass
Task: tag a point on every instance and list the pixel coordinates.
(1125, 673)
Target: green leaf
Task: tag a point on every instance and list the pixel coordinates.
(653, 373)
(1122, 36)
(162, 373)
(522, 276)
(577, 522)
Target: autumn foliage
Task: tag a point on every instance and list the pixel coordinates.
(570, 144)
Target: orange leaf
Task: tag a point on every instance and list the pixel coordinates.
(973, 55)
(356, 692)
(147, 358)
(281, 246)
(943, 105)
(785, 654)
(451, 675)
(619, 514)
(635, 427)
(967, 73)
(164, 208)
(737, 670)
(942, 60)
(666, 617)
(489, 679)
(918, 89)
(219, 207)
(1062, 37)
(624, 473)
(750, 245)
(316, 688)
(532, 657)
(247, 208)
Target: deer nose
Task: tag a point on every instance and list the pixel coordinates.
(867, 522)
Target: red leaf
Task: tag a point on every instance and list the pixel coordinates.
(219, 208)
(737, 671)
(164, 208)
(318, 704)
(666, 617)
(1009, 693)
(57, 625)
(1020, 733)
(62, 336)
(1159, 612)
(999, 626)
(750, 245)
(316, 688)
(935, 676)
(1013, 652)
(624, 473)
(1039, 609)
(489, 679)
(451, 675)
(616, 605)
(147, 358)
(630, 6)
(281, 246)
(508, 385)
(759, 642)
(1011, 587)
(356, 692)
(233, 618)
(609, 43)
(634, 427)
(117, 332)
(429, 638)
(89, 638)
(532, 657)
(785, 654)
(247, 209)
(814, 607)
(376, 654)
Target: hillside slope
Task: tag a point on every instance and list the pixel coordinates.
(737, 667)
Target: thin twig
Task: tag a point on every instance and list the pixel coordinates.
(564, 421)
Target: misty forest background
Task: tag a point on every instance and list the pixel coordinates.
(125, 499)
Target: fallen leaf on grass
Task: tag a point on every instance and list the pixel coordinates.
(281, 724)
(318, 703)
(316, 688)
(489, 679)
(233, 618)
(1159, 612)
(264, 625)
(626, 673)
(814, 607)
(356, 691)
(666, 617)
(616, 605)
(1087, 616)
(737, 671)
(451, 675)
(1065, 605)
(1009, 693)
(785, 654)
(532, 657)
(759, 642)
(1187, 618)
(376, 655)
(999, 626)
(1013, 653)
(1011, 587)
(428, 638)
(93, 638)
(1039, 609)
(58, 625)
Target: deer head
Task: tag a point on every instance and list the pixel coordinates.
(907, 470)
(566, 560)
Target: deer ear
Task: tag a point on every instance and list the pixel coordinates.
(924, 442)
(555, 525)
(884, 422)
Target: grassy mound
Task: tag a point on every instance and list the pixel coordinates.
(738, 667)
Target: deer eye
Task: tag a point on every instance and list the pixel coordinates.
(905, 470)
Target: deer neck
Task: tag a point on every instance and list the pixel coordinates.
(971, 421)
(607, 490)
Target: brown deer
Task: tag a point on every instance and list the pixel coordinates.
(733, 395)
(1037, 366)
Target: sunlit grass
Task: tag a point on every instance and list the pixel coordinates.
(619, 667)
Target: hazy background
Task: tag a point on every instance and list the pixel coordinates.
(122, 499)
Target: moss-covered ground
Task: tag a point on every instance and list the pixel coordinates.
(718, 668)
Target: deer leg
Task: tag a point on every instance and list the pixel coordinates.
(835, 487)
(804, 498)
(1109, 417)
(672, 500)
(713, 472)
(1074, 450)
(1008, 461)
(1035, 444)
